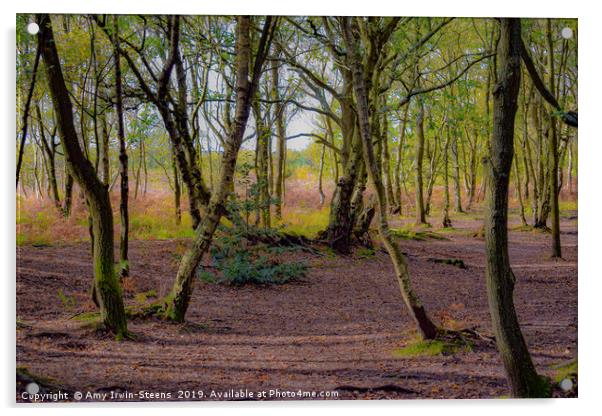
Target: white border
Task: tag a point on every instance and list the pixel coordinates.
(590, 235)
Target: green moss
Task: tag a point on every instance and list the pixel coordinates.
(88, 318)
(68, 302)
(365, 252)
(421, 348)
(142, 297)
(156, 308)
(565, 370)
(571, 205)
(154, 227)
(419, 235)
(429, 348)
(21, 240)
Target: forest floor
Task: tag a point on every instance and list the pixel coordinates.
(335, 330)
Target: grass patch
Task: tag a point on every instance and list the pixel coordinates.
(151, 227)
(430, 348)
(568, 205)
(365, 252)
(565, 370)
(89, 320)
(418, 235)
(530, 228)
(68, 302)
(306, 223)
(142, 297)
(474, 214)
(87, 317)
(41, 239)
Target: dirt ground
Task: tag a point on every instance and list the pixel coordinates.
(336, 330)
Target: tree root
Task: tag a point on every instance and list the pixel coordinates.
(155, 309)
(466, 336)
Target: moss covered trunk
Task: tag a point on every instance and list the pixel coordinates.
(338, 234)
(554, 189)
(262, 152)
(106, 282)
(123, 161)
(279, 173)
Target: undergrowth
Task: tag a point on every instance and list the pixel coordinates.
(248, 254)
(236, 262)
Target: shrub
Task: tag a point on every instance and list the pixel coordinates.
(237, 263)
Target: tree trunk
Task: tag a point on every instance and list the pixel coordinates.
(280, 143)
(139, 168)
(520, 371)
(397, 176)
(426, 327)
(176, 187)
(176, 303)
(446, 222)
(106, 282)
(419, 157)
(432, 173)
(521, 206)
(145, 168)
(554, 188)
(456, 176)
(361, 230)
(386, 164)
(26, 114)
(104, 151)
(123, 160)
(340, 224)
(471, 170)
(49, 148)
(261, 165)
(68, 198)
(569, 168)
(320, 175)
